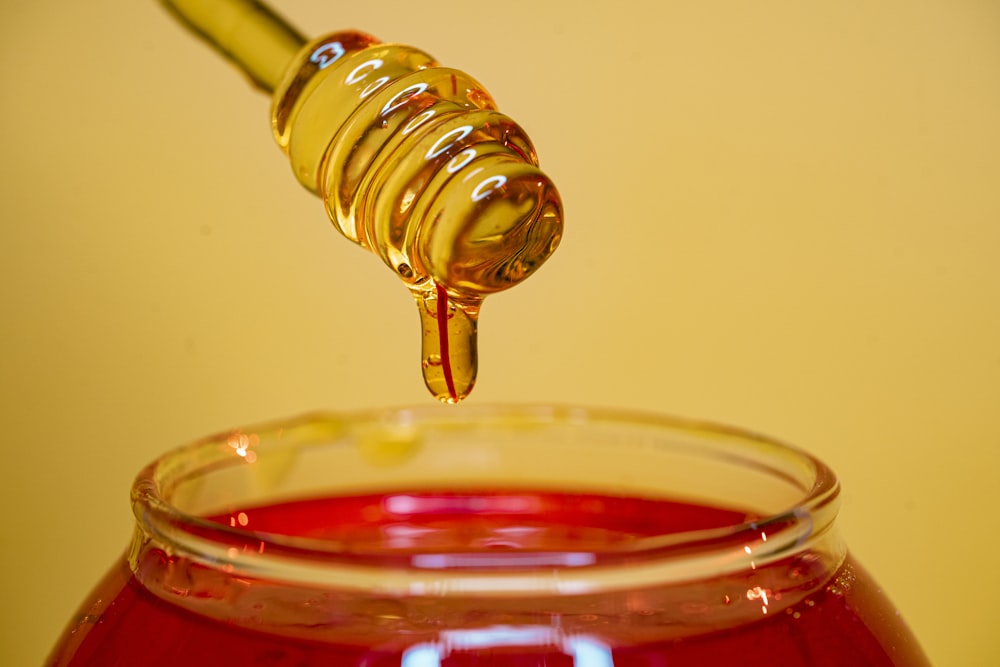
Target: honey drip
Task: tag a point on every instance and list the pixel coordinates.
(448, 344)
(413, 162)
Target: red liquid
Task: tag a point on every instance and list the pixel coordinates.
(844, 621)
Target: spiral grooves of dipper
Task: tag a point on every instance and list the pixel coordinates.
(415, 163)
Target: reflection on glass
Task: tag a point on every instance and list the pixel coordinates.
(584, 651)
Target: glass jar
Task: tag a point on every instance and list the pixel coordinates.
(501, 536)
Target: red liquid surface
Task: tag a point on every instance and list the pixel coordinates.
(844, 621)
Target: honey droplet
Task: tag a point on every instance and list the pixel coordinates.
(449, 342)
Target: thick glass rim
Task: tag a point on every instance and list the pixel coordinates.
(800, 519)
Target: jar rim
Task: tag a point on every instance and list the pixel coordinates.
(782, 531)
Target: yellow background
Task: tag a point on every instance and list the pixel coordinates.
(783, 215)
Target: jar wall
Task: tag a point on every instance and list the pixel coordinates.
(511, 534)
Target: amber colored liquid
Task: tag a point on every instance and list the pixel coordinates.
(416, 164)
(413, 161)
(844, 621)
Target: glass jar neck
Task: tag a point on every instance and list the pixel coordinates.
(487, 513)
